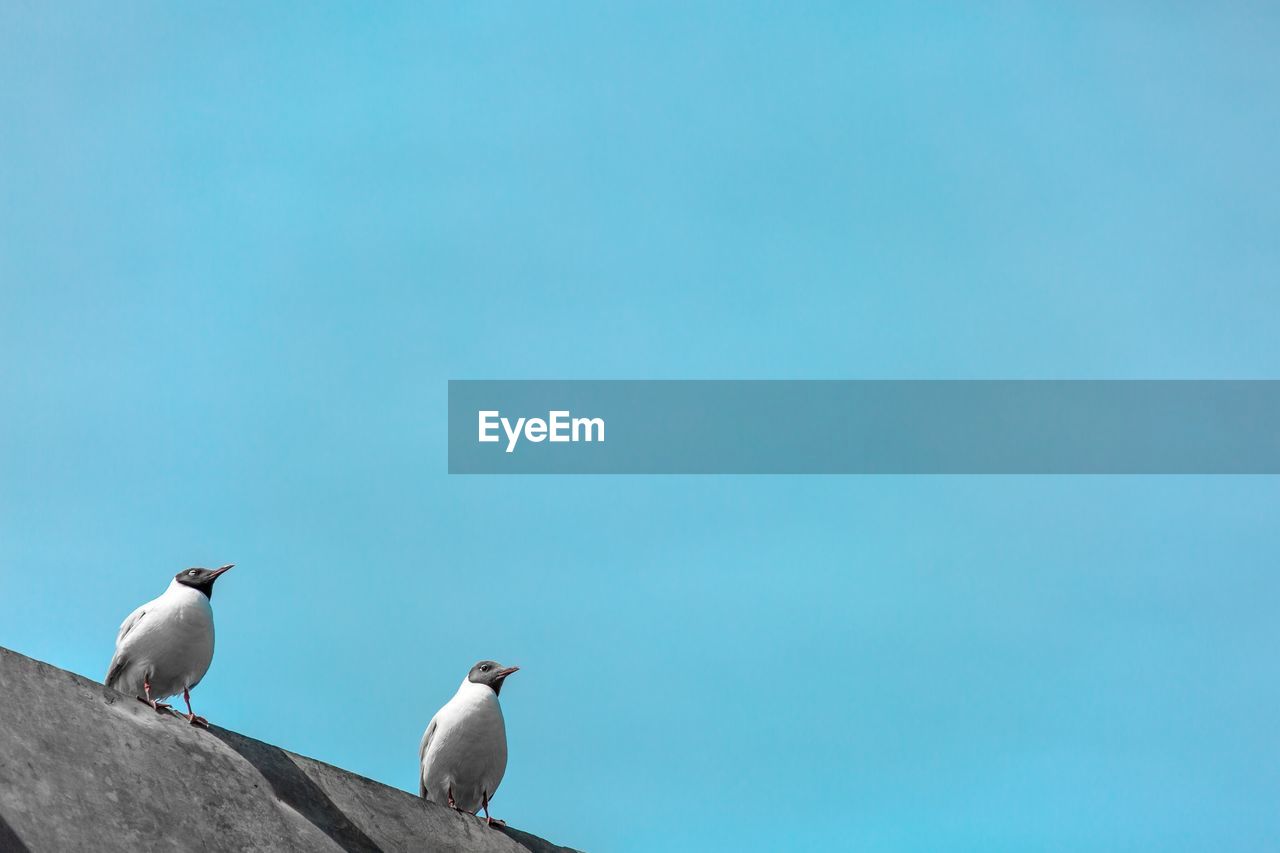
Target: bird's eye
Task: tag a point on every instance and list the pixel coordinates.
(192, 573)
(484, 668)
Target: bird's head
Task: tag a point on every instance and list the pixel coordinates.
(491, 674)
(201, 579)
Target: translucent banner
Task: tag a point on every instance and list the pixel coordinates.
(863, 427)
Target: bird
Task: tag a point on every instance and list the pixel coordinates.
(165, 646)
(464, 749)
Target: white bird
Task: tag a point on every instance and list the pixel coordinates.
(464, 749)
(165, 646)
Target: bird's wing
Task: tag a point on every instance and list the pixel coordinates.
(422, 755)
(118, 661)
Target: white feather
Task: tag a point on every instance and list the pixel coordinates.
(464, 749)
(167, 641)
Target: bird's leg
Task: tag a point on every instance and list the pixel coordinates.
(159, 706)
(191, 715)
(489, 820)
(452, 804)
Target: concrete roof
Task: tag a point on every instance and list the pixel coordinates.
(84, 767)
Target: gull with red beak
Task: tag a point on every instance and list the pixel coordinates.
(464, 750)
(165, 646)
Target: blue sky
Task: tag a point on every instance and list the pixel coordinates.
(242, 250)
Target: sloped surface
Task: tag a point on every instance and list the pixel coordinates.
(84, 767)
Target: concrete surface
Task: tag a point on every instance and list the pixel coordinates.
(84, 767)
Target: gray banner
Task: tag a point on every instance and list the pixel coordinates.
(864, 427)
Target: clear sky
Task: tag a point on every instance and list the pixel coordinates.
(242, 250)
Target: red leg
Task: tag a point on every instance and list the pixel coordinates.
(159, 706)
(452, 804)
(488, 819)
(191, 715)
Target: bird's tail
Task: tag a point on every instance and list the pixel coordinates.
(113, 674)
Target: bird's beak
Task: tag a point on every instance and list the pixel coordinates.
(503, 673)
(220, 570)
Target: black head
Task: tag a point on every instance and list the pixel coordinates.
(201, 579)
(490, 673)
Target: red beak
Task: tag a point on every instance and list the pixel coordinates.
(503, 673)
(219, 571)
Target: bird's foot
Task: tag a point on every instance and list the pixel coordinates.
(493, 821)
(197, 720)
(159, 707)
